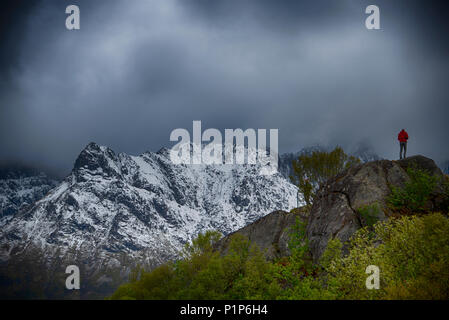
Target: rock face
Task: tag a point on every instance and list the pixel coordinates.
(121, 204)
(20, 187)
(334, 212)
(271, 233)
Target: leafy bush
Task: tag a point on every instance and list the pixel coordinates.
(411, 252)
(241, 273)
(416, 192)
(310, 171)
(370, 214)
(445, 202)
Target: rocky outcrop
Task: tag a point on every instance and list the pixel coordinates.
(270, 233)
(335, 209)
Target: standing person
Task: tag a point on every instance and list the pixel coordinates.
(402, 137)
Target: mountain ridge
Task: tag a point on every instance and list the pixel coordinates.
(21, 186)
(117, 203)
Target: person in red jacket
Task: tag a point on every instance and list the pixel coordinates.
(402, 137)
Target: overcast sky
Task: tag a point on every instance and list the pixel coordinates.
(138, 69)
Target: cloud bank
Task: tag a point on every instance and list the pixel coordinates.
(139, 69)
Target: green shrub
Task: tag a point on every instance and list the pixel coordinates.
(370, 214)
(445, 202)
(411, 252)
(312, 170)
(416, 192)
(241, 273)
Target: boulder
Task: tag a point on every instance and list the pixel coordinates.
(270, 233)
(335, 208)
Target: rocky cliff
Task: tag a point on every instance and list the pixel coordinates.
(270, 233)
(335, 210)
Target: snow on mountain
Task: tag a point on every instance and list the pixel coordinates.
(117, 203)
(20, 187)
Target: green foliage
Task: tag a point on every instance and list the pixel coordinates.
(370, 214)
(203, 244)
(298, 243)
(445, 202)
(332, 253)
(310, 171)
(289, 269)
(241, 273)
(412, 254)
(346, 275)
(416, 192)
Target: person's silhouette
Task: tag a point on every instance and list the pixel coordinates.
(402, 137)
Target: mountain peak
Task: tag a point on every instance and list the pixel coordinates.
(96, 159)
(138, 204)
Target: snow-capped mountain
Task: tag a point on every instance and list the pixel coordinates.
(20, 187)
(117, 203)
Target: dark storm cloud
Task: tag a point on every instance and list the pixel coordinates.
(139, 69)
(12, 17)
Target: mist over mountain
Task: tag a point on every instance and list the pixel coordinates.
(136, 70)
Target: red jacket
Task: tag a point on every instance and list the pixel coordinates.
(403, 136)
